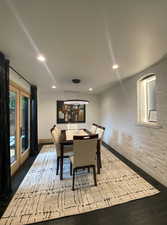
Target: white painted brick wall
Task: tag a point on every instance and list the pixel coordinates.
(144, 146)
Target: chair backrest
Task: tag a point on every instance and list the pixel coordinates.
(52, 128)
(85, 148)
(57, 130)
(93, 128)
(56, 140)
(100, 132)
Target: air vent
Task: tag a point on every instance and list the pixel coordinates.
(76, 81)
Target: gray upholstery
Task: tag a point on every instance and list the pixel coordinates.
(56, 139)
(84, 152)
(93, 129)
(100, 132)
(57, 130)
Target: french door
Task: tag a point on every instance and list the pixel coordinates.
(19, 105)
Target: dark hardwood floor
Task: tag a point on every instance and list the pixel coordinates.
(147, 211)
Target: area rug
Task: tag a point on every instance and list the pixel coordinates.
(42, 196)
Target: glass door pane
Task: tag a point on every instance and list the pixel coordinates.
(24, 123)
(12, 108)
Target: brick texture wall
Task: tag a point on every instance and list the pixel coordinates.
(144, 146)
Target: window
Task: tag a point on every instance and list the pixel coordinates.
(147, 110)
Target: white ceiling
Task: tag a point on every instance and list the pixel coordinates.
(82, 39)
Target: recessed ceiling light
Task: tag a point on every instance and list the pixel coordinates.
(53, 86)
(41, 58)
(90, 89)
(115, 66)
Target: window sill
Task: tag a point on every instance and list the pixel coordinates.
(150, 125)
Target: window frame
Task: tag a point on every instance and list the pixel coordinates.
(142, 105)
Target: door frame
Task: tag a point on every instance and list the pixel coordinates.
(20, 156)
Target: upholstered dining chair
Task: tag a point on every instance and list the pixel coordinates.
(93, 128)
(57, 129)
(84, 148)
(68, 150)
(100, 132)
(53, 128)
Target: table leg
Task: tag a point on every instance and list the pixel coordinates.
(61, 161)
(98, 157)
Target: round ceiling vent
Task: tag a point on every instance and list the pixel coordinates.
(76, 81)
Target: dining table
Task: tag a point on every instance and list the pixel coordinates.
(66, 138)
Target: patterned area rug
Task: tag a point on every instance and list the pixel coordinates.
(42, 196)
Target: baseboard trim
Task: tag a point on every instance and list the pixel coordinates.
(138, 170)
(45, 141)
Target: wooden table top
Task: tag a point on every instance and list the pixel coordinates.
(67, 135)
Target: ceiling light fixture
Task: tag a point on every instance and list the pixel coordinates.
(41, 58)
(53, 86)
(90, 89)
(76, 102)
(115, 66)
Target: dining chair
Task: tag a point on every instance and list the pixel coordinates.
(53, 128)
(84, 149)
(93, 128)
(100, 132)
(57, 129)
(68, 150)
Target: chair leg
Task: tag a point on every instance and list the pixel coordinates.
(94, 174)
(70, 168)
(57, 169)
(73, 182)
(100, 160)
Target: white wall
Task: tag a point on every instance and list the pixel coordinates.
(47, 111)
(144, 146)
